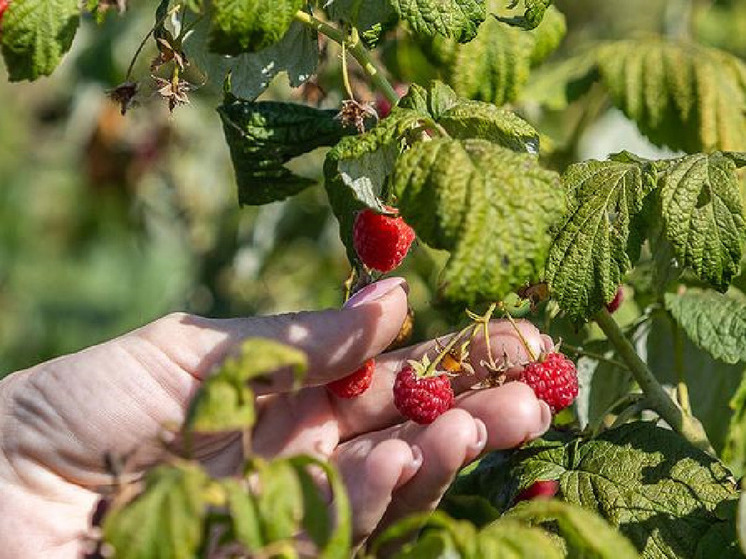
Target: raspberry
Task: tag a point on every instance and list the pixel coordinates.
(3, 6)
(355, 383)
(613, 305)
(541, 489)
(553, 379)
(422, 399)
(381, 241)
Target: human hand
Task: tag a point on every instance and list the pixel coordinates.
(58, 419)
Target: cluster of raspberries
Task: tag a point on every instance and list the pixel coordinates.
(381, 241)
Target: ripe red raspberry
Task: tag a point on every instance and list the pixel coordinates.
(381, 241)
(355, 383)
(422, 399)
(3, 6)
(554, 380)
(541, 489)
(613, 305)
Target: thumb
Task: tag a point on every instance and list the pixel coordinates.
(335, 341)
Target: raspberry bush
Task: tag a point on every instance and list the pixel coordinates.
(471, 178)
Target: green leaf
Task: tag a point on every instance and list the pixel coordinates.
(711, 383)
(36, 34)
(225, 401)
(356, 169)
(660, 491)
(682, 95)
(489, 206)
(296, 53)
(590, 253)
(279, 499)
(459, 19)
(245, 521)
(239, 26)
(165, 520)
(556, 85)
(587, 535)
(263, 136)
(331, 533)
(702, 215)
(714, 321)
(548, 35)
(602, 384)
(493, 67)
(370, 17)
(462, 118)
(734, 451)
(511, 539)
(532, 16)
(721, 540)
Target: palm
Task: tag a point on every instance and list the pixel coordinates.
(63, 417)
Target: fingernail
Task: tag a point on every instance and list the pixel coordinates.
(478, 446)
(412, 468)
(546, 420)
(375, 291)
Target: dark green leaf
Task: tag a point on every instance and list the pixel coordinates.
(702, 215)
(263, 136)
(711, 383)
(36, 34)
(165, 520)
(589, 255)
(240, 26)
(370, 17)
(489, 206)
(225, 401)
(660, 491)
(682, 95)
(714, 321)
(532, 16)
(587, 535)
(458, 19)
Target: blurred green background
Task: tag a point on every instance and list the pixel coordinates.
(107, 222)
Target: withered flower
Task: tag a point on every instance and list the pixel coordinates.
(124, 95)
(175, 90)
(354, 114)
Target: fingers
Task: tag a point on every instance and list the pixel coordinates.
(491, 419)
(335, 341)
(372, 472)
(375, 409)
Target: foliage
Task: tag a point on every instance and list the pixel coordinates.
(484, 157)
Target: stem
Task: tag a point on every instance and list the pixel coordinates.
(524, 341)
(345, 72)
(595, 356)
(682, 390)
(357, 50)
(145, 40)
(687, 426)
(448, 347)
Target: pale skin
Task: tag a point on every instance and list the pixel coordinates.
(59, 418)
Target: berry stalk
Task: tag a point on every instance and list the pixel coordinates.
(685, 425)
